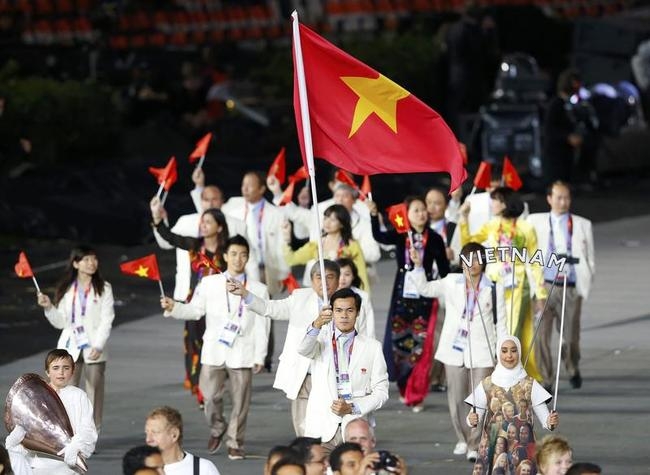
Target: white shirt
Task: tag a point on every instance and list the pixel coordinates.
(186, 466)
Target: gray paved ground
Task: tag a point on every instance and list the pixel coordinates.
(606, 421)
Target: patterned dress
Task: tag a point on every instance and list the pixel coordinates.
(408, 319)
(507, 439)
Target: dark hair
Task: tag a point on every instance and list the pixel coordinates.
(287, 461)
(347, 262)
(549, 188)
(213, 187)
(236, 240)
(343, 216)
(337, 453)
(583, 467)
(57, 354)
(4, 461)
(259, 175)
(302, 446)
(476, 249)
(220, 218)
(440, 190)
(566, 79)
(70, 274)
(282, 450)
(135, 457)
(329, 265)
(346, 294)
(512, 200)
(410, 199)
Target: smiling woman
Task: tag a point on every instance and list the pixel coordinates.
(496, 398)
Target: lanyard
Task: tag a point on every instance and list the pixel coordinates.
(336, 354)
(552, 235)
(83, 299)
(470, 303)
(407, 248)
(260, 216)
(240, 311)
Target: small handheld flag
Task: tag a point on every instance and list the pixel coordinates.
(146, 267)
(166, 176)
(398, 216)
(24, 270)
(278, 168)
(510, 176)
(201, 149)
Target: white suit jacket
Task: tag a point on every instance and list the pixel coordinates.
(368, 376)
(97, 322)
(188, 225)
(276, 267)
(452, 289)
(582, 247)
(301, 308)
(211, 299)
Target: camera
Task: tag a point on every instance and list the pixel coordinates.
(387, 461)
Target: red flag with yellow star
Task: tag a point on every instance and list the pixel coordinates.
(201, 147)
(510, 176)
(146, 267)
(398, 216)
(22, 267)
(483, 176)
(365, 123)
(166, 176)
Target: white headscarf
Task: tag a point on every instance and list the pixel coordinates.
(502, 376)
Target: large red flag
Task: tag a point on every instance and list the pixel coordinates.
(167, 175)
(483, 175)
(363, 122)
(146, 267)
(22, 267)
(201, 147)
(278, 167)
(398, 216)
(510, 176)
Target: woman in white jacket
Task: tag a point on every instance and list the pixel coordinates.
(83, 309)
(474, 319)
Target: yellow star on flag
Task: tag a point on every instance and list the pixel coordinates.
(399, 220)
(379, 96)
(142, 271)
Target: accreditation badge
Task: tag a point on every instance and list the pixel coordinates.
(460, 342)
(410, 290)
(344, 386)
(80, 336)
(229, 333)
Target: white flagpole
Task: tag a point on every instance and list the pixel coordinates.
(161, 188)
(559, 345)
(201, 160)
(306, 134)
(162, 291)
(164, 197)
(38, 289)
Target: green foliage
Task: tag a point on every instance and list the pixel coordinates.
(64, 120)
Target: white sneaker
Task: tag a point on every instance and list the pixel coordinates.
(418, 408)
(460, 449)
(472, 455)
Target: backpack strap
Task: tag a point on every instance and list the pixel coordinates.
(494, 302)
(196, 465)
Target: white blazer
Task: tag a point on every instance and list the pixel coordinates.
(452, 289)
(97, 322)
(368, 376)
(275, 266)
(582, 247)
(301, 308)
(188, 225)
(212, 300)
